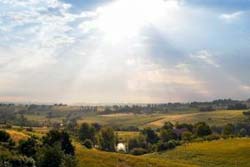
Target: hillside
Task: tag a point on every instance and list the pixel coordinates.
(222, 153)
(95, 158)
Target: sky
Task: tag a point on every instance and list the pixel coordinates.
(124, 51)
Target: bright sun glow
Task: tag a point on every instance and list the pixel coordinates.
(124, 19)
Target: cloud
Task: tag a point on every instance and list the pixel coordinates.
(49, 51)
(231, 16)
(206, 57)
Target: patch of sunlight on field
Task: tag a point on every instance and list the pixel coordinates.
(221, 153)
(213, 118)
(17, 136)
(95, 158)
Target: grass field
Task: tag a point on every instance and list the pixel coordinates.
(122, 120)
(94, 158)
(222, 153)
(218, 118)
(124, 136)
(212, 118)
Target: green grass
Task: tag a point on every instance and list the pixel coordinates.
(218, 118)
(124, 136)
(122, 121)
(222, 153)
(95, 158)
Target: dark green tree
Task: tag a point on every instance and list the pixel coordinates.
(87, 131)
(150, 135)
(228, 130)
(167, 134)
(4, 136)
(66, 144)
(28, 147)
(50, 157)
(202, 129)
(107, 139)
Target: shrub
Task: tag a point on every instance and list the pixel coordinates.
(27, 147)
(162, 146)
(138, 151)
(49, 157)
(202, 129)
(243, 132)
(107, 139)
(212, 137)
(4, 136)
(171, 144)
(88, 144)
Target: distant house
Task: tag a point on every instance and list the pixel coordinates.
(121, 147)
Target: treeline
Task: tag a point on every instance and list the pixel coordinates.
(225, 104)
(53, 150)
(156, 140)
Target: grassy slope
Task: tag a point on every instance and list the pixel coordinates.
(222, 153)
(94, 158)
(213, 118)
(121, 121)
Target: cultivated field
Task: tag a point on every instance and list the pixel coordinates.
(212, 118)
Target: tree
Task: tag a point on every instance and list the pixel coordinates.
(50, 157)
(4, 136)
(202, 129)
(88, 144)
(107, 139)
(87, 131)
(150, 135)
(137, 142)
(69, 161)
(28, 147)
(167, 134)
(66, 144)
(243, 132)
(61, 138)
(186, 136)
(228, 130)
(168, 125)
(52, 137)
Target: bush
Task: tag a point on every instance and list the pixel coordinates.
(88, 144)
(138, 151)
(28, 147)
(243, 132)
(4, 136)
(212, 137)
(171, 144)
(50, 157)
(202, 129)
(163, 146)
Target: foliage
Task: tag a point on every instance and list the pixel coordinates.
(28, 147)
(202, 129)
(228, 130)
(87, 131)
(49, 157)
(88, 144)
(4, 136)
(62, 138)
(69, 161)
(150, 135)
(107, 139)
(138, 151)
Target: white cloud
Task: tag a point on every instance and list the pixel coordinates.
(229, 17)
(205, 56)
